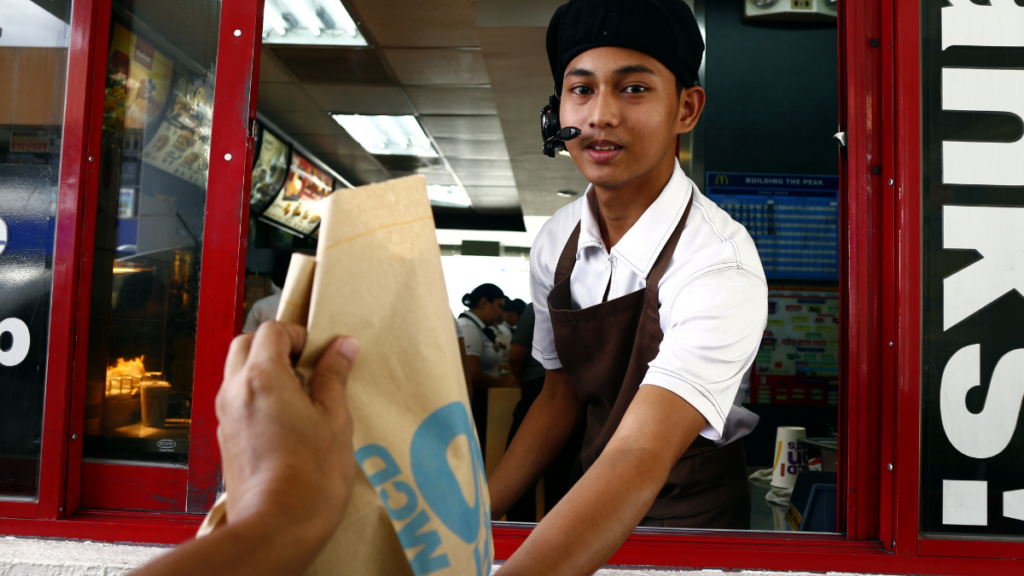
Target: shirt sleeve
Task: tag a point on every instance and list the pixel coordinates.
(252, 321)
(715, 327)
(458, 330)
(473, 338)
(542, 278)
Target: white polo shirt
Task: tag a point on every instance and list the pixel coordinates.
(713, 298)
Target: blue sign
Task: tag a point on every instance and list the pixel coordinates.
(793, 219)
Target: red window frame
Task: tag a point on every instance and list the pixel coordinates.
(88, 500)
(880, 286)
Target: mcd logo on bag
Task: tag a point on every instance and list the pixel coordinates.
(430, 492)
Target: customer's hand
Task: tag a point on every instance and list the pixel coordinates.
(509, 381)
(287, 452)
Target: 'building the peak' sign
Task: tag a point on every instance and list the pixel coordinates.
(972, 377)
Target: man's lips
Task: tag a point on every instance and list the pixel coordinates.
(603, 150)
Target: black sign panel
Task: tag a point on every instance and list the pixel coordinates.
(972, 372)
(27, 200)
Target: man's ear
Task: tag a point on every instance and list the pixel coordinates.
(691, 105)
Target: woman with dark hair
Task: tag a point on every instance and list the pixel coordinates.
(486, 305)
(483, 354)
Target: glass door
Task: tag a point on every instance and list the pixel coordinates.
(33, 65)
(149, 248)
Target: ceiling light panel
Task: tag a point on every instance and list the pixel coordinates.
(388, 135)
(453, 196)
(317, 22)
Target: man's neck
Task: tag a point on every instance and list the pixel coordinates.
(619, 207)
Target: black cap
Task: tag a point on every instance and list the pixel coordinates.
(663, 29)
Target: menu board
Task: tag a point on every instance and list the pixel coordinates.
(138, 82)
(269, 173)
(793, 220)
(297, 206)
(181, 146)
(798, 362)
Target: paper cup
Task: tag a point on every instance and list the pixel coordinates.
(155, 397)
(790, 456)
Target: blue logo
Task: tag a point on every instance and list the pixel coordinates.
(439, 488)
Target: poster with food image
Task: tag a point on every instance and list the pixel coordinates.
(138, 82)
(181, 146)
(297, 205)
(269, 173)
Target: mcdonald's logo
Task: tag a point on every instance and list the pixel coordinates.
(722, 180)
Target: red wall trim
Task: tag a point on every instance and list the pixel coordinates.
(908, 206)
(227, 204)
(126, 487)
(95, 69)
(11, 509)
(109, 527)
(75, 171)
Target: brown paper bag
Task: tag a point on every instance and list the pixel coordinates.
(423, 495)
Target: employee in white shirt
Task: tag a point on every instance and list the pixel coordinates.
(483, 352)
(650, 302)
(266, 308)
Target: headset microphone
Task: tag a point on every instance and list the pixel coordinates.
(551, 130)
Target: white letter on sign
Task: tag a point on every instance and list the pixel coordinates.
(998, 235)
(968, 24)
(3, 236)
(983, 163)
(987, 433)
(20, 341)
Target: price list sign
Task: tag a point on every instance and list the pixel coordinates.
(793, 219)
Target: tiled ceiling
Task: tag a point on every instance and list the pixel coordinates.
(426, 63)
(473, 72)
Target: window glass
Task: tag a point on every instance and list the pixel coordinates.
(972, 81)
(157, 115)
(33, 61)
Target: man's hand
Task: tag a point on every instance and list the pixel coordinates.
(287, 458)
(287, 454)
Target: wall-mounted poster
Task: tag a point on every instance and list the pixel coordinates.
(297, 204)
(182, 144)
(269, 173)
(138, 81)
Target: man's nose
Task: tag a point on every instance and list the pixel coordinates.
(604, 110)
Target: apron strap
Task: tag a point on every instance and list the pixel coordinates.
(567, 261)
(661, 264)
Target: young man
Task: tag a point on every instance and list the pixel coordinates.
(650, 302)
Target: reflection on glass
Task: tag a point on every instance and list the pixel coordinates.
(33, 65)
(157, 116)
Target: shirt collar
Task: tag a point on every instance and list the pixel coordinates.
(640, 246)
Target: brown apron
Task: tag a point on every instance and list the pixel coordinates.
(605, 350)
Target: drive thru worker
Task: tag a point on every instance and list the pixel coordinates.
(650, 301)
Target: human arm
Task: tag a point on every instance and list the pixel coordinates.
(517, 359)
(484, 380)
(590, 523)
(287, 459)
(552, 418)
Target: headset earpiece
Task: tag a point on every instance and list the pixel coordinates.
(551, 129)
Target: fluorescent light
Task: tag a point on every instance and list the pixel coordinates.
(388, 135)
(318, 22)
(449, 196)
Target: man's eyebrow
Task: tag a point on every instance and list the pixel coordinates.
(580, 72)
(634, 69)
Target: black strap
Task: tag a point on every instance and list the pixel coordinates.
(486, 330)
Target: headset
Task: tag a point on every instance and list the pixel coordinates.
(551, 129)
